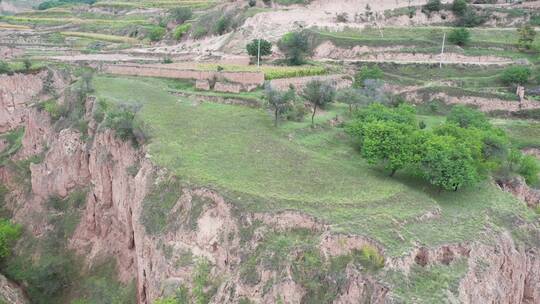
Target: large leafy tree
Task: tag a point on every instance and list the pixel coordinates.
(389, 143)
(253, 48)
(319, 93)
(446, 162)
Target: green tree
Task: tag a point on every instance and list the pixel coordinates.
(446, 162)
(459, 7)
(515, 75)
(526, 36)
(366, 73)
(180, 14)
(318, 93)
(278, 101)
(460, 36)
(467, 117)
(253, 48)
(295, 46)
(9, 233)
(433, 5)
(403, 114)
(388, 142)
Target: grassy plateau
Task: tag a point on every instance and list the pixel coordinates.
(237, 151)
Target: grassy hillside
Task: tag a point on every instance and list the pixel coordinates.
(260, 168)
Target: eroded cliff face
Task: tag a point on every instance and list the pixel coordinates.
(201, 224)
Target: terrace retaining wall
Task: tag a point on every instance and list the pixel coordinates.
(246, 81)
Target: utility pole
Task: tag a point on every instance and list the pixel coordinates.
(442, 50)
(259, 53)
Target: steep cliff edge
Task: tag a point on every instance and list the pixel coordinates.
(208, 248)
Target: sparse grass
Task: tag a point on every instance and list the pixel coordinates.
(433, 284)
(102, 37)
(237, 151)
(523, 133)
(194, 4)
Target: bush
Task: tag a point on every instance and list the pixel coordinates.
(253, 48)
(180, 14)
(459, 36)
(516, 75)
(5, 68)
(9, 233)
(529, 169)
(433, 6)
(471, 19)
(466, 117)
(156, 33)
(295, 46)
(366, 73)
(252, 3)
(180, 30)
(459, 7)
(122, 121)
(526, 36)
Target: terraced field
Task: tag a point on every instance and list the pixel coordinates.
(238, 151)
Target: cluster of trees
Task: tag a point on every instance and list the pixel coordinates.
(461, 152)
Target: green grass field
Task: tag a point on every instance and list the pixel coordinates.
(237, 151)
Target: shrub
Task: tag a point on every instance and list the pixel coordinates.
(252, 3)
(433, 5)
(516, 75)
(371, 258)
(459, 36)
(122, 121)
(27, 64)
(9, 233)
(459, 7)
(342, 17)
(471, 19)
(5, 68)
(295, 46)
(366, 73)
(180, 30)
(466, 117)
(180, 14)
(222, 25)
(529, 169)
(55, 110)
(156, 33)
(265, 47)
(526, 36)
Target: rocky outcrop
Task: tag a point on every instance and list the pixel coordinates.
(519, 188)
(18, 91)
(10, 292)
